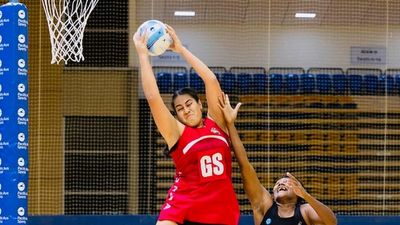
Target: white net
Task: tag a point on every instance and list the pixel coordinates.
(67, 20)
(307, 107)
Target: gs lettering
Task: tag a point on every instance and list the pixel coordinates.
(211, 165)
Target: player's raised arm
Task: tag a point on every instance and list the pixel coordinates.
(316, 212)
(258, 196)
(213, 89)
(168, 126)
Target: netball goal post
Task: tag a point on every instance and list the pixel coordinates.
(67, 20)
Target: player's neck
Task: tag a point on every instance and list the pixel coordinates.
(286, 210)
(288, 205)
(201, 124)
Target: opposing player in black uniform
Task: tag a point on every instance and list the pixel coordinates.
(284, 207)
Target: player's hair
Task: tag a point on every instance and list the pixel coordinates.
(184, 91)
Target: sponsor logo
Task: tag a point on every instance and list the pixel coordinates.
(215, 131)
(21, 14)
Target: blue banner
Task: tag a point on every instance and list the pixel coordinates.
(152, 219)
(13, 114)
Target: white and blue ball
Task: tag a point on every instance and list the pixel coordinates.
(158, 40)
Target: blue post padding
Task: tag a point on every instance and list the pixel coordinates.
(151, 220)
(13, 113)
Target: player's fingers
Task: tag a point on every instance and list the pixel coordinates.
(237, 106)
(136, 36)
(221, 101)
(170, 31)
(220, 106)
(292, 183)
(227, 101)
(169, 27)
(291, 176)
(223, 98)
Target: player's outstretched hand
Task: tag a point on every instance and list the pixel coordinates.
(296, 186)
(140, 43)
(176, 45)
(229, 113)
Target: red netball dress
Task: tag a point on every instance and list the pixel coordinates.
(203, 190)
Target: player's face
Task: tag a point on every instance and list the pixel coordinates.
(188, 110)
(282, 192)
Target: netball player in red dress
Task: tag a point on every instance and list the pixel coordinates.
(202, 192)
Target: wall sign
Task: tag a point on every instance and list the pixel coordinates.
(368, 55)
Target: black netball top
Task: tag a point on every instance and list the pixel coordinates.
(272, 217)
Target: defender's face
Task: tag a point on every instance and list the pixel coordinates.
(282, 191)
(188, 110)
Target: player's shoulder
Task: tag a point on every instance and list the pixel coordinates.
(305, 207)
(307, 212)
